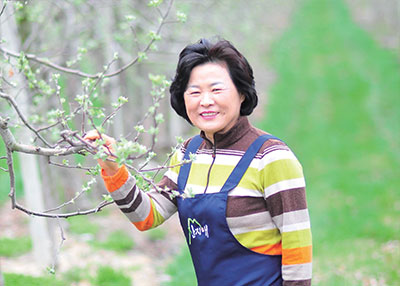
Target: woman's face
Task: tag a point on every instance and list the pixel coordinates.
(212, 100)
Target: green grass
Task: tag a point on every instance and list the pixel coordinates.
(357, 262)
(11, 279)
(181, 271)
(10, 247)
(75, 275)
(106, 276)
(117, 241)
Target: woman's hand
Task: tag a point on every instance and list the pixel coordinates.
(110, 168)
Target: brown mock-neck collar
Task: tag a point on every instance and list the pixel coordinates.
(223, 140)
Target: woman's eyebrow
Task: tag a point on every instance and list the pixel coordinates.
(216, 83)
(211, 85)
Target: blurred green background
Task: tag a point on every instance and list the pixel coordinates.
(335, 100)
(337, 103)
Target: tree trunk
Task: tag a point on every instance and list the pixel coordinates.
(33, 189)
(106, 28)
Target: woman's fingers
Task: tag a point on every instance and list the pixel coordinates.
(109, 140)
(109, 167)
(93, 135)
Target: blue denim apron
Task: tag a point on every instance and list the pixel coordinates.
(218, 258)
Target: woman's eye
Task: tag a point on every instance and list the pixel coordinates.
(216, 90)
(194, 93)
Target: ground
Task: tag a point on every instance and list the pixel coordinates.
(144, 264)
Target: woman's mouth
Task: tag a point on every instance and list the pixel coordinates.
(208, 114)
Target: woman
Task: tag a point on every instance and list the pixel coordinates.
(242, 202)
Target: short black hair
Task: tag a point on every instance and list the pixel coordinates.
(203, 52)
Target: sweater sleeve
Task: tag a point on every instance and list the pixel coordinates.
(286, 200)
(145, 210)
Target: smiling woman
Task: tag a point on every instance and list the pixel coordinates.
(211, 99)
(241, 202)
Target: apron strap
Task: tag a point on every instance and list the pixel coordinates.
(192, 147)
(238, 172)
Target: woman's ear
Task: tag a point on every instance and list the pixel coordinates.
(242, 97)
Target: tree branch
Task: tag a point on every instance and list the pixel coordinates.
(99, 207)
(4, 169)
(80, 73)
(88, 169)
(12, 177)
(163, 167)
(12, 144)
(63, 238)
(3, 8)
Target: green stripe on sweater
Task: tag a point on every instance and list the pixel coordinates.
(298, 238)
(258, 238)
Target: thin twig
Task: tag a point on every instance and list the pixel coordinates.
(69, 166)
(164, 167)
(147, 180)
(3, 8)
(99, 207)
(12, 178)
(111, 115)
(86, 112)
(167, 160)
(22, 117)
(155, 125)
(71, 201)
(63, 120)
(61, 242)
(7, 82)
(41, 129)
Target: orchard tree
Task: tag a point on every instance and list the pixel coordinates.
(67, 68)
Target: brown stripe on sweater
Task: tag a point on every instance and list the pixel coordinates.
(287, 201)
(134, 206)
(128, 198)
(241, 206)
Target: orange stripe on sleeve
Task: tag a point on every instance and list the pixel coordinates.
(147, 223)
(297, 255)
(270, 249)
(116, 181)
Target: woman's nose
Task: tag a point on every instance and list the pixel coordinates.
(207, 99)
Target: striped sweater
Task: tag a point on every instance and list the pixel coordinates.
(267, 212)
